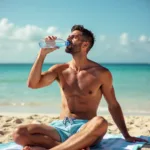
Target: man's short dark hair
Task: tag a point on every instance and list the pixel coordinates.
(87, 34)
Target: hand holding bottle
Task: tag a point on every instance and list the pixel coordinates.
(52, 43)
(50, 40)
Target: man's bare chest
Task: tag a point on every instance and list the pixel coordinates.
(79, 83)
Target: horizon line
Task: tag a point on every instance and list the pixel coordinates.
(148, 63)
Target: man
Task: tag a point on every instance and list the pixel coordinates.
(82, 83)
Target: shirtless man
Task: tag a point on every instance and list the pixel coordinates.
(82, 83)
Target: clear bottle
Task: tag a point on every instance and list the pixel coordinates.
(52, 44)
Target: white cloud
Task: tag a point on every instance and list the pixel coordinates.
(27, 33)
(51, 30)
(124, 39)
(125, 49)
(20, 44)
(102, 38)
(6, 28)
(143, 38)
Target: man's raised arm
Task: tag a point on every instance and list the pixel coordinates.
(36, 78)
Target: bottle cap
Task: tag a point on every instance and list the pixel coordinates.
(67, 43)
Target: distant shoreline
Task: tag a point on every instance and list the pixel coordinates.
(111, 63)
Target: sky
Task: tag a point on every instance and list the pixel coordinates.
(121, 29)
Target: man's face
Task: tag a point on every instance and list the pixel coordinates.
(76, 40)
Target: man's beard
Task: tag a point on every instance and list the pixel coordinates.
(73, 49)
(68, 49)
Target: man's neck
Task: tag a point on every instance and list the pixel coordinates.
(79, 63)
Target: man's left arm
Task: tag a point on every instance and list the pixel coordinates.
(114, 107)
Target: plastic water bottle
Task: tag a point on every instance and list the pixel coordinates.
(53, 43)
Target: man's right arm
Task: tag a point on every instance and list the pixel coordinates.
(39, 79)
(36, 78)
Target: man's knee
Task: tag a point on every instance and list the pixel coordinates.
(100, 125)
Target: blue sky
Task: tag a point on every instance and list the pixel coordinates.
(121, 28)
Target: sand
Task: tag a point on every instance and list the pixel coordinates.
(136, 125)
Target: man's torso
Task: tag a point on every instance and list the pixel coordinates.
(81, 91)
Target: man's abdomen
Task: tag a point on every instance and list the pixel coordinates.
(79, 107)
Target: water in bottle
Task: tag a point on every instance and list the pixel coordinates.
(53, 43)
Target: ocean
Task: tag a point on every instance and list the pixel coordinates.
(131, 83)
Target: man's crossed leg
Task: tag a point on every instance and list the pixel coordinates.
(48, 138)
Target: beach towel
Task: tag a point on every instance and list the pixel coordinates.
(109, 142)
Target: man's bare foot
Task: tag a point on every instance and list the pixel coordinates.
(34, 148)
(26, 148)
(41, 148)
(86, 148)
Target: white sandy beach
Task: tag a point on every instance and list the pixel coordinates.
(137, 125)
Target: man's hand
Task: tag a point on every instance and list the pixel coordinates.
(45, 51)
(135, 139)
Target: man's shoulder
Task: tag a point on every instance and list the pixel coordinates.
(103, 72)
(105, 75)
(59, 67)
(101, 69)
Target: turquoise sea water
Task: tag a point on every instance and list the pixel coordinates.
(131, 83)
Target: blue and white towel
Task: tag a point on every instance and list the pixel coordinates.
(109, 142)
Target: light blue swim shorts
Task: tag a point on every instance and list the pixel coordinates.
(70, 126)
(67, 127)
